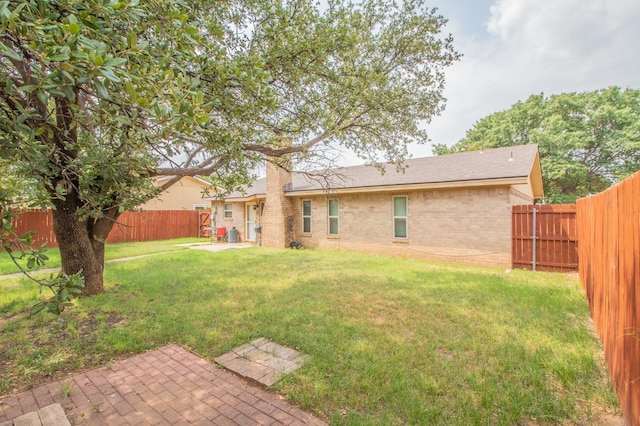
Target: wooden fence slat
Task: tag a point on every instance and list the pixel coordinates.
(609, 233)
(145, 225)
(556, 237)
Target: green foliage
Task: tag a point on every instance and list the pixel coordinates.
(98, 97)
(23, 191)
(97, 94)
(587, 140)
(64, 288)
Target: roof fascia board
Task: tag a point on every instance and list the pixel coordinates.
(244, 199)
(195, 178)
(415, 187)
(536, 177)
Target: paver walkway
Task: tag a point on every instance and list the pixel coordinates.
(167, 386)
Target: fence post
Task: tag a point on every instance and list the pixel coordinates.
(534, 239)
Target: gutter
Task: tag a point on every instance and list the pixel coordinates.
(413, 187)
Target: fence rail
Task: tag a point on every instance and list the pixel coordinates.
(146, 225)
(544, 237)
(609, 232)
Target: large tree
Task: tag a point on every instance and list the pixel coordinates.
(587, 141)
(99, 96)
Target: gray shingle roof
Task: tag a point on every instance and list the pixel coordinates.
(497, 163)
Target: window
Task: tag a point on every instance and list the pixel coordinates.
(333, 217)
(306, 216)
(400, 217)
(228, 211)
(199, 207)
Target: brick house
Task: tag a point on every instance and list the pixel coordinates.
(453, 208)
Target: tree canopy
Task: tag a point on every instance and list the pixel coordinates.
(587, 141)
(99, 96)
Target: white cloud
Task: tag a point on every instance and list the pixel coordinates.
(527, 47)
(533, 46)
(564, 28)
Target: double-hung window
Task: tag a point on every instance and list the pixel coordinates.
(400, 217)
(306, 216)
(228, 210)
(333, 217)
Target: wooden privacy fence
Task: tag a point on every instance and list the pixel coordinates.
(146, 225)
(544, 237)
(609, 232)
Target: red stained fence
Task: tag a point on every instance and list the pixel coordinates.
(609, 232)
(552, 246)
(146, 225)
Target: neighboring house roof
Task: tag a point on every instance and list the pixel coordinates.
(159, 180)
(499, 166)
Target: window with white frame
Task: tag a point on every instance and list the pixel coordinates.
(400, 217)
(199, 206)
(334, 228)
(228, 210)
(306, 216)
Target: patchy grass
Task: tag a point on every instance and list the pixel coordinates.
(392, 340)
(113, 251)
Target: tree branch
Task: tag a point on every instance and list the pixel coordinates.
(279, 152)
(180, 172)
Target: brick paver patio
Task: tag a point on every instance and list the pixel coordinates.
(167, 386)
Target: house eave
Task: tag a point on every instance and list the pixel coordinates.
(247, 199)
(201, 181)
(536, 177)
(414, 187)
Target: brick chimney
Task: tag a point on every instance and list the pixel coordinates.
(277, 218)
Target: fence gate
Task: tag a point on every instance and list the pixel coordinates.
(544, 237)
(205, 228)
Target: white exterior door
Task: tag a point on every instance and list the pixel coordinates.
(251, 223)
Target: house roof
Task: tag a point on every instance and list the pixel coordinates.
(161, 179)
(509, 165)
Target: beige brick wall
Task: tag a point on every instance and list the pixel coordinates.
(519, 198)
(237, 220)
(469, 226)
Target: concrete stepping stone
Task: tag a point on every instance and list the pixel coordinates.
(262, 361)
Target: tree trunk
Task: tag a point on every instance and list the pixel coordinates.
(79, 250)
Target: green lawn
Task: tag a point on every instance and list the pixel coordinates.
(392, 340)
(113, 251)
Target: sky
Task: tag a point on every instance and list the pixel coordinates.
(515, 48)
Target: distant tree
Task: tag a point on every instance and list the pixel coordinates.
(23, 191)
(587, 141)
(99, 96)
